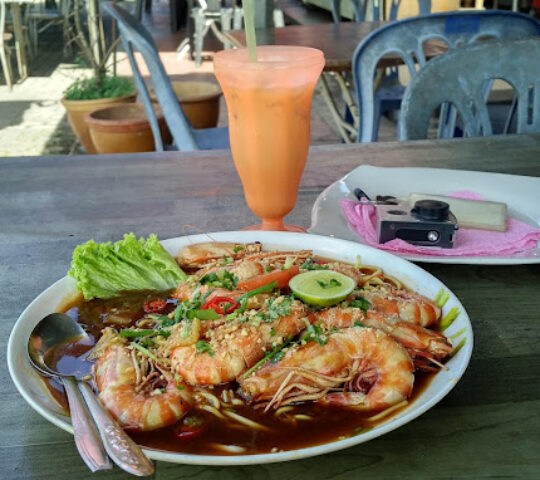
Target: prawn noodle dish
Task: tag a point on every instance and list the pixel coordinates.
(234, 360)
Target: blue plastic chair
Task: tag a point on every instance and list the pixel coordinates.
(406, 39)
(459, 77)
(136, 38)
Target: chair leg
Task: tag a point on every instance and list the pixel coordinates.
(6, 67)
(238, 16)
(198, 18)
(226, 21)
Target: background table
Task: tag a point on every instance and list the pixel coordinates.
(488, 426)
(337, 41)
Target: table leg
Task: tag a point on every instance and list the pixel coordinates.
(19, 40)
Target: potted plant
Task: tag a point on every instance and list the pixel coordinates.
(101, 88)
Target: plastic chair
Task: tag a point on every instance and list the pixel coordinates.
(135, 37)
(406, 38)
(360, 9)
(390, 90)
(208, 15)
(41, 18)
(361, 6)
(459, 77)
(424, 8)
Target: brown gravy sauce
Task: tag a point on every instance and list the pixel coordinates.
(328, 423)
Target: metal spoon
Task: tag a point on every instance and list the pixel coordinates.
(57, 330)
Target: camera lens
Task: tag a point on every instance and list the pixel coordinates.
(431, 210)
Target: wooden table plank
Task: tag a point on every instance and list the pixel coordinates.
(487, 426)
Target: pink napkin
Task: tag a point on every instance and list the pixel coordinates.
(469, 242)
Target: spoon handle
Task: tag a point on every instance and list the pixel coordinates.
(123, 451)
(86, 436)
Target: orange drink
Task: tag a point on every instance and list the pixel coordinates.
(269, 103)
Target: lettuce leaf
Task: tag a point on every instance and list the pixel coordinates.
(104, 270)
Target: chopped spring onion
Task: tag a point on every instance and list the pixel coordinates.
(447, 320)
(288, 263)
(203, 347)
(441, 298)
(207, 314)
(458, 347)
(265, 288)
(457, 334)
(143, 332)
(266, 358)
(129, 333)
(145, 351)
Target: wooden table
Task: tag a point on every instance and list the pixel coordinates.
(337, 41)
(488, 426)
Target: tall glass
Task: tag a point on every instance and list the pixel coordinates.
(269, 103)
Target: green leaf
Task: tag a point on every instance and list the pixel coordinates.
(104, 270)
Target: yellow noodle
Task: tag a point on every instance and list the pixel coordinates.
(386, 412)
(282, 410)
(244, 420)
(393, 280)
(228, 448)
(212, 410)
(301, 416)
(212, 399)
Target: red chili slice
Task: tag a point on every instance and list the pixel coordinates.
(221, 305)
(188, 432)
(154, 306)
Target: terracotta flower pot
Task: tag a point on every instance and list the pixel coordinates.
(78, 109)
(123, 128)
(199, 100)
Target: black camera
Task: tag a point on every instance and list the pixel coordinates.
(428, 223)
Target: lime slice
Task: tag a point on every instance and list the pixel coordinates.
(322, 288)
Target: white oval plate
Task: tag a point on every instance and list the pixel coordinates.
(33, 389)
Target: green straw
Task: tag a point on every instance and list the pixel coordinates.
(249, 26)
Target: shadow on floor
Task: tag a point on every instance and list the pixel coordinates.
(12, 113)
(63, 141)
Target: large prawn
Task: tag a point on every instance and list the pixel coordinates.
(425, 346)
(227, 350)
(375, 369)
(138, 403)
(408, 306)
